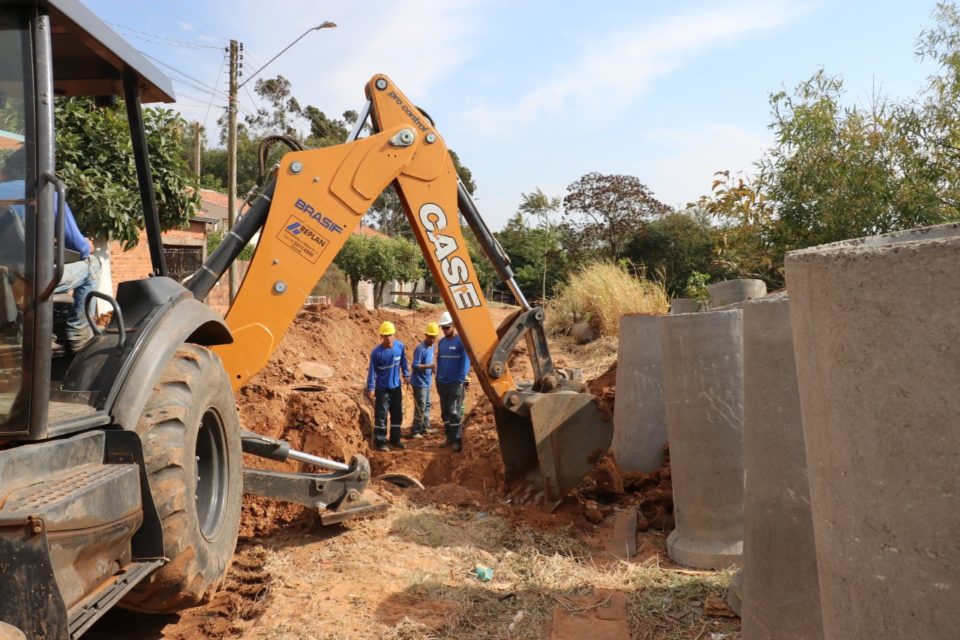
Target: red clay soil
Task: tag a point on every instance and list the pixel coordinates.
(331, 417)
(334, 421)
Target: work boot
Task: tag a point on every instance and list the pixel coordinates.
(383, 447)
(398, 445)
(457, 447)
(77, 340)
(417, 436)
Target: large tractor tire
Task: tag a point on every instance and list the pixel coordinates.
(191, 445)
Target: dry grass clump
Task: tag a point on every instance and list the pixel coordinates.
(599, 294)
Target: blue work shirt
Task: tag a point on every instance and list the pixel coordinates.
(386, 365)
(422, 355)
(453, 363)
(72, 238)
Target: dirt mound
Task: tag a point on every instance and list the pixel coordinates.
(333, 418)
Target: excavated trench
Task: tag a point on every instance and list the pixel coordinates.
(311, 394)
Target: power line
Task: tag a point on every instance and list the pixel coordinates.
(208, 88)
(158, 39)
(206, 116)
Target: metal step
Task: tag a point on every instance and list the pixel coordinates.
(83, 615)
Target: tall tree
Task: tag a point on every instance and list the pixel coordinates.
(603, 211)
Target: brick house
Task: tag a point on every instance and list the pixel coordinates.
(186, 249)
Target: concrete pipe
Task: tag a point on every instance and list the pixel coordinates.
(684, 305)
(731, 291)
(781, 594)
(703, 381)
(877, 343)
(640, 414)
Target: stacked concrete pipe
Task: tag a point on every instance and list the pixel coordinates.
(639, 415)
(685, 305)
(703, 383)
(780, 592)
(733, 291)
(876, 326)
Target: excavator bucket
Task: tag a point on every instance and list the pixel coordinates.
(553, 446)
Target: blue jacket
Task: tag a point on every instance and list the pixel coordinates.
(386, 365)
(422, 355)
(453, 364)
(72, 238)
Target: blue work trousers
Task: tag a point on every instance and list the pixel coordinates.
(421, 410)
(82, 277)
(387, 401)
(451, 409)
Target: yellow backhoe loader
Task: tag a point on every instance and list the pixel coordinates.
(121, 470)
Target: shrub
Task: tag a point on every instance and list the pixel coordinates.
(599, 294)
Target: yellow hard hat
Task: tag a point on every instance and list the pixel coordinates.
(433, 329)
(387, 328)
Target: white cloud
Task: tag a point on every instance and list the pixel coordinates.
(620, 66)
(684, 160)
(186, 26)
(417, 42)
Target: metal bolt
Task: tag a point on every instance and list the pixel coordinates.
(496, 369)
(296, 166)
(276, 261)
(353, 495)
(36, 525)
(364, 475)
(431, 138)
(280, 287)
(403, 138)
(539, 315)
(381, 84)
(513, 400)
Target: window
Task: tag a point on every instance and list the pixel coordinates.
(182, 260)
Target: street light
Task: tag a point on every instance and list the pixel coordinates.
(232, 134)
(325, 25)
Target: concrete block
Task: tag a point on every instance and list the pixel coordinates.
(731, 291)
(877, 344)
(684, 305)
(780, 592)
(703, 383)
(640, 414)
(735, 590)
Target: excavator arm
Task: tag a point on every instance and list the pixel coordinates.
(550, 431)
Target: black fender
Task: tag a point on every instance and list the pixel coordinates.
(185, 320)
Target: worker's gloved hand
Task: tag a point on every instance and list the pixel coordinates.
(370, 395)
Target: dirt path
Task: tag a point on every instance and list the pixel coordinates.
(414, 573)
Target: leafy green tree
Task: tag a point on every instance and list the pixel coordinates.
(673, 247)
(95, 159)
(352, 260)
(603, 211)
(532, 241)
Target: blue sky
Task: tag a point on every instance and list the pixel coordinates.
(535, 94)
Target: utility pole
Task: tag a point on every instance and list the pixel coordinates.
(232, 158)
(196, 148)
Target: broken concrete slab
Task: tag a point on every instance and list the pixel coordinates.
(601, 616)
(314, 370)
(623, 540)
(780, 591)
(640, 414)
(703, 383)
(877, 345)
